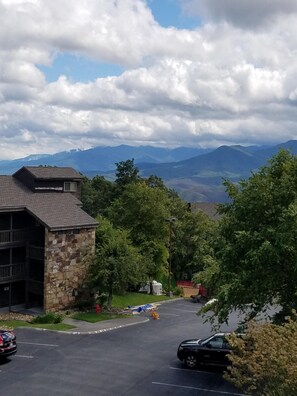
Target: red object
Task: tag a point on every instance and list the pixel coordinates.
(185, 283)
(202, 291)
(98, 308)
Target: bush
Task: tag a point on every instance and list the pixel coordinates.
(264, 362)
(178, 291)
(84, 304)
(47, 318)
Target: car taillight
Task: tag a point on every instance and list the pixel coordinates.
(1, 341)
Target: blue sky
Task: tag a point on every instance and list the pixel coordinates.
(168, 73)
(169, 13)
(79, 68)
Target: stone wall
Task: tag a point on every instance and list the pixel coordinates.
(65, 265)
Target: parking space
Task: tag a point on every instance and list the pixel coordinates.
(135, 360)
(182, 381)
(30, 349)
(26, 351)
(191, 390)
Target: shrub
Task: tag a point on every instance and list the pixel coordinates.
(178, 291)
(47, 318)
(84, 304)
(264, 362)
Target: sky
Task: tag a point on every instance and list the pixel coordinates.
(167, 73)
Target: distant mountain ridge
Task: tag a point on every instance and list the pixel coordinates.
(102, 159)
(200, 178)
(195, 173)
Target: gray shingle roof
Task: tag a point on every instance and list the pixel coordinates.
(54, 210)
(52, 172)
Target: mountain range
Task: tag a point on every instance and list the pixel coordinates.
(196, 174)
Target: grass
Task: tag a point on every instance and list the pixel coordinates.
(13, 324)
(131, 299)
(118, 301)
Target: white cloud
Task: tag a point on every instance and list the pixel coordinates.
(215, 84)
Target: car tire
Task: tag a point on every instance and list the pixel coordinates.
(191, 360)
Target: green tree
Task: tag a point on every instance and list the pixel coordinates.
(257, 252)
(193, 243)
(105, 193)
(126, 172)
(155, 181)
(142, 211)
(116, 264)
(264, 362)
(88, 197)
(97, 194)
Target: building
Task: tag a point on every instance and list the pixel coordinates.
(209, 208)
(45, 237)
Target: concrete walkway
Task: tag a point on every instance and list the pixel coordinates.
(82, 327)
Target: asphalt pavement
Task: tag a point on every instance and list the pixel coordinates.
(124, 359)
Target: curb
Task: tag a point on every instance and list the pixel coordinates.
(73, 332)
(103, 330)
(106, 329)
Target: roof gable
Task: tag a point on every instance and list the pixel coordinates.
(50, 172)
(54, 209)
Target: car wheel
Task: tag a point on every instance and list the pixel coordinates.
(191, 360)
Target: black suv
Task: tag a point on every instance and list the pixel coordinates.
(8, 345)
(213, 351)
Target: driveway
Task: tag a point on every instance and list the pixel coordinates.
(134, 360)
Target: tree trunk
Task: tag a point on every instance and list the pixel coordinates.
(151, 287)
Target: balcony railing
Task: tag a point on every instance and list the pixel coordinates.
(16, 235)
(12, 271)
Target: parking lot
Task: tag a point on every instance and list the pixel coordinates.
(135, 360)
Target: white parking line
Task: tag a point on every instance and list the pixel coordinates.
(36, 343)
(24, 356)
(199, 389)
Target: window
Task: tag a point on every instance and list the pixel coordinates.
(70, 186)
(216, 342)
